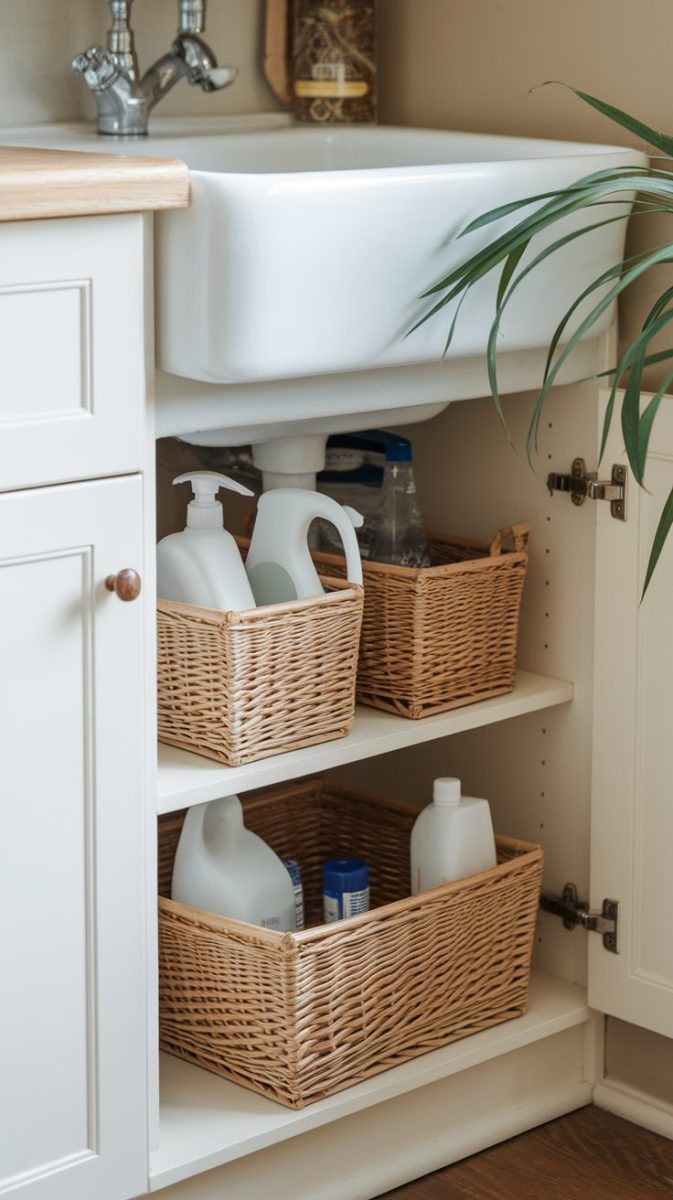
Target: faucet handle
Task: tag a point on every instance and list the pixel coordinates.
(98, 66)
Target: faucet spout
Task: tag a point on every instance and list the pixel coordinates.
(200, 63)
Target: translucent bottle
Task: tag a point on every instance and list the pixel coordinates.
(399, 536)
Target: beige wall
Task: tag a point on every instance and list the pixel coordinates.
(40, 37)
(470, 64)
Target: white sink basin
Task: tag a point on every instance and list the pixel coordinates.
(305, 250)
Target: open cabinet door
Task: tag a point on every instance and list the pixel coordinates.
(632, 788)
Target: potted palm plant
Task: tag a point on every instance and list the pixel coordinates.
(654, 188)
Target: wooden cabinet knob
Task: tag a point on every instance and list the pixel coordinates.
(126, 584)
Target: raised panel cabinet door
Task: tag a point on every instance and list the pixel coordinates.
(74, 308)
(72, 846)
(632, 785)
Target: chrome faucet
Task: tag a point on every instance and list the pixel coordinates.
(124, 100)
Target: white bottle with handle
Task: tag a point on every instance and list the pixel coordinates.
(202, 564)
(451, 839)
(222, 867)
(279, 562)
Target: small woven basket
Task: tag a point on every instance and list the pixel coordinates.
(239, 686)
(437, 637)
(299, 1016)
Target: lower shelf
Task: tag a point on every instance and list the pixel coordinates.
(185, 779)
(206, 1121)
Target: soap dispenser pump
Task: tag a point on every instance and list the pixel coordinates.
(201, 564)
(279, 562)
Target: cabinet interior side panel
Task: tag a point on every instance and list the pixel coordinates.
(535, 770)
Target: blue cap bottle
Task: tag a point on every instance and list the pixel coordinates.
(345, 886)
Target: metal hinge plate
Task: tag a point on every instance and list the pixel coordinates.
(583, 485)
(575, 914)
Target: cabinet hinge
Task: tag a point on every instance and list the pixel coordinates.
(575, 914)
(583, 484)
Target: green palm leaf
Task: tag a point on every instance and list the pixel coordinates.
(507, 252)
(660, 140)
(663, 530)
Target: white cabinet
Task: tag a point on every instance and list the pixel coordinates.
(72, 849)
(632, 809)
(82, 1116)
(74, 722)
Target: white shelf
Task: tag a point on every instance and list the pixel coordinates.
(206, 1121)
(185, 779)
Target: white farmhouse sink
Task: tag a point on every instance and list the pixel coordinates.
(305, 250)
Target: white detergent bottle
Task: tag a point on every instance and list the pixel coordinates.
(222, 867)
(279, 562)
(202, 564)
(451, 839)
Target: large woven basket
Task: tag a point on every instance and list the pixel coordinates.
(442, 636)
(298, 1016)
(239, 686)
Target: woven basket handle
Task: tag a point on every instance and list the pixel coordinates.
(519, 533)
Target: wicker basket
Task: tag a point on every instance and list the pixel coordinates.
(239, 686)
(442, 636)
(298, 1016)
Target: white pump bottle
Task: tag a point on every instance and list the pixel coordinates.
(202, 564)
(279, 562)
(224, 868)
(451, 839)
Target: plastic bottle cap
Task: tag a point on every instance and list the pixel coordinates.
(399, 451)
(446, 792)
(345, 875)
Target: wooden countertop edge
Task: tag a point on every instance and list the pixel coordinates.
(71, 183)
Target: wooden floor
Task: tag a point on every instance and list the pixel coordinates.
(589, 1155)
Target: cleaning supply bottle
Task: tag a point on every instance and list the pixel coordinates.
(279, 562)
(201, 564)
(353, 475)
(399, 536)
(222, 867)
(345, 888)
(452, 838)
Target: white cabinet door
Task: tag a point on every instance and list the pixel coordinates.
(632, 788)
(72, 875)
